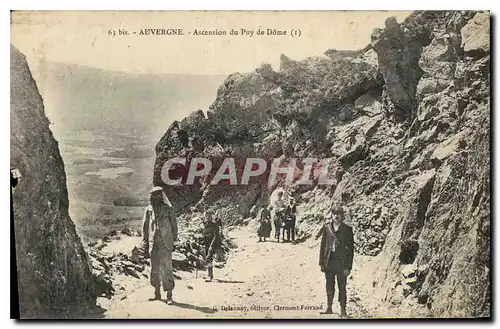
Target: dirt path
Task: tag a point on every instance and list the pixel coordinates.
(259, 280)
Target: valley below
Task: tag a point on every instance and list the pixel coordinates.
(108, 178)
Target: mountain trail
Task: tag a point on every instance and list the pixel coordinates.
(259, 280)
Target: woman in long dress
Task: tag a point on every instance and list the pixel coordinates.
(265, 224)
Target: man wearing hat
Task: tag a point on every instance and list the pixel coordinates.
(160, 225)
(336, 256)
(279, 212)
(293, 217)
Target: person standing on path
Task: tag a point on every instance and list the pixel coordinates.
(160, 224)
(279, 209)
(265, 224)
(336, 256)
(290, 220)
(212, 239)
(293, 217)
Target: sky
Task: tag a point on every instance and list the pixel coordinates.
(83, 38)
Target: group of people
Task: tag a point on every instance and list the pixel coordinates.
(284, 217)
(160, 227)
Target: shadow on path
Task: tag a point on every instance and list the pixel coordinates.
(228, 281)
(202, 309)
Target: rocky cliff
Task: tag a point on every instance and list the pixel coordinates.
(54, 273)
(407, 121)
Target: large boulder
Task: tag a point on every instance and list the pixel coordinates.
(439, 59)
(476, 35)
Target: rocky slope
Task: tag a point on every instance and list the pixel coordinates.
(54, 272)
(407, 121)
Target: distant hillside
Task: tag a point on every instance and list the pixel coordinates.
(85, 98)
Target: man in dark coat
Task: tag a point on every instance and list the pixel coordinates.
(336, 256)
(291, 218)
(212, 239)
(279, 214)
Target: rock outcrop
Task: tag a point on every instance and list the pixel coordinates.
(398, 54)
(407, 121)
(54, 272)
(267, 114)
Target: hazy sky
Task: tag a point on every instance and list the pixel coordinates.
(83, 38)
